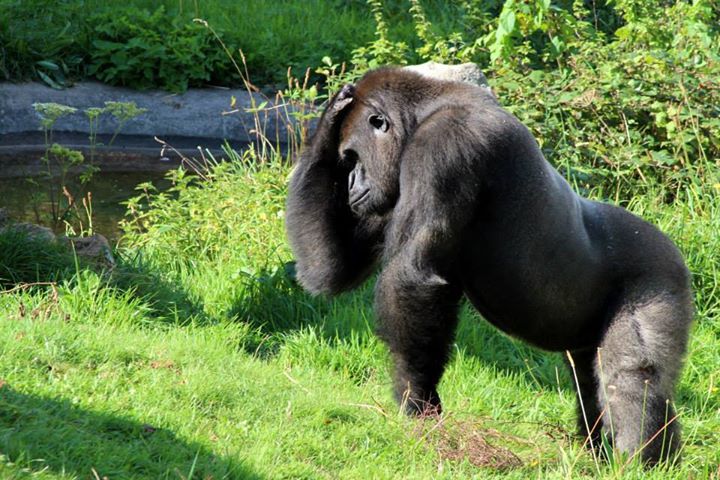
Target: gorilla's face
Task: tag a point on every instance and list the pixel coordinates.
(369, 149)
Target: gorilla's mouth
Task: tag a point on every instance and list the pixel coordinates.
(356, 200)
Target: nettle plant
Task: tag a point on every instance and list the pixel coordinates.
(143, 50)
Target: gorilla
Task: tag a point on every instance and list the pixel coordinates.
(450, 194)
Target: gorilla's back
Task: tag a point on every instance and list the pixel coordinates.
(547, 263)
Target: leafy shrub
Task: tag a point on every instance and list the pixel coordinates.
(641, 109)
(227, 219)
(41, 42)
(184, 224)
(621, 97)
(143, 50)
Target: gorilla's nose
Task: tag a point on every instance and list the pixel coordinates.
(349, 156)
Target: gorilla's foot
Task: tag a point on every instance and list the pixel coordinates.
(421, 405)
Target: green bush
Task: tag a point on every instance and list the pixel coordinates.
(621, 98)
(142, 50)
(638, 110)
(55, 42)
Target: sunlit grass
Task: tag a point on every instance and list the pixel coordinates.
(200, 357)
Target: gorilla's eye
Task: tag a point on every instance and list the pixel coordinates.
(378, 122)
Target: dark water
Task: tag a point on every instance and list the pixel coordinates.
(26, 199)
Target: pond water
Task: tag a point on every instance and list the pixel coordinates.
(26, 199)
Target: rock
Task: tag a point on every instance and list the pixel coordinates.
(33, 231)
(96, 249)
(196, 113)
(466, 72)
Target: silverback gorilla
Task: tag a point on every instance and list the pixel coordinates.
(452, 196)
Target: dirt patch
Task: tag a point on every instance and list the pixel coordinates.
(468, 440)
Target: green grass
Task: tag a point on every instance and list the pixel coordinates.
(199, 358)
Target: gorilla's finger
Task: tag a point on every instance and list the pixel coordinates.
(341, 104)
(343, 98)
(347, 91)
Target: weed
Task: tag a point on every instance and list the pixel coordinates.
(60, 162)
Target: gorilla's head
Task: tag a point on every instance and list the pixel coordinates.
(370, 147)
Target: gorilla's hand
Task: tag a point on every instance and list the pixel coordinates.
(323, 148)
(342, 99)
(337, 109)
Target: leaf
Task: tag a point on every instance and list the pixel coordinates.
(49, 81)
(567, 97)
(508, 22)
(258, 108)
(47, 64)
(663, 157)
(536, 76)
(105, 45)
(623, 33)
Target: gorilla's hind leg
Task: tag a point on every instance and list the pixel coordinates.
(637, 367)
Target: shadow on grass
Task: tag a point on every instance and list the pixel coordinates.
(167, 300)
(275, 303)
(32, 260)
(272, 302)
(541, 369)
(38, 434)
(29, 257)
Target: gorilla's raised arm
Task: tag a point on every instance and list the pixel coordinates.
(334, 249)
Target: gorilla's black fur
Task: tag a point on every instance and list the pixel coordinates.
(452, 196)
